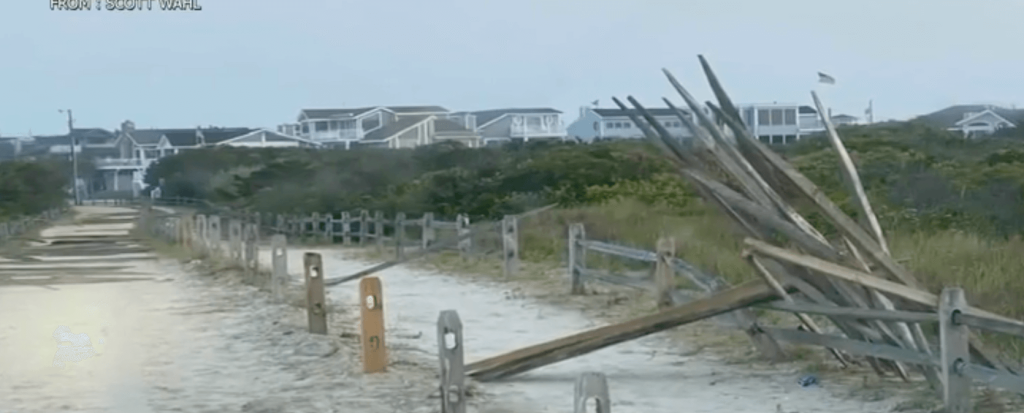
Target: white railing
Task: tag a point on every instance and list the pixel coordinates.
(335, 135)
(123, 163)
(519, 131)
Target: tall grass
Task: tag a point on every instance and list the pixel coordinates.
(989, 269)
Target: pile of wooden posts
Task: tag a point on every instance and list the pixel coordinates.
(874, 303)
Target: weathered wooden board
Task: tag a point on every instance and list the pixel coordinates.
(540, 355)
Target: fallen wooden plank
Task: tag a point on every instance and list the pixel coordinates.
(863, 348)
(540, 355)
(852, 312)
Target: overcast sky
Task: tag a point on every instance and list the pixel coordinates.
(258, 62)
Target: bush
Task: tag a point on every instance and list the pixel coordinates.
(28, 188)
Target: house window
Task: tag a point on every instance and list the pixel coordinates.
(610, 125)
(677, 124)
(627, 125)
(764, 117)
(321, 126)
(777, 117)
(790, 138)
(305, 128)
(765, 139)
(790, 117)
(597, 126)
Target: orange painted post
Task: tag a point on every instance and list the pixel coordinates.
(316, 307)
(375, 354)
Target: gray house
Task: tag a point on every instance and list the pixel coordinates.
(975, 120)
(504, 125)
(598, 124)
(378, 126)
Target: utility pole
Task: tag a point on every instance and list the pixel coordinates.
(74, 158)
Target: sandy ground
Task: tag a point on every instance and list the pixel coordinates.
(175, 342)
(650, 375)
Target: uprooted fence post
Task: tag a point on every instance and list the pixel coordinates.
(235, 241)
(364, 226)
(329, 228)
(375, 351)
(592, 386)
(510, 244)
(202, 239)
(428, 232)
(577, 257)
(250, 253)
(453, 369)
(664, 273)
(954, 338)
(316, 306)
(279, 266)
(378, 230)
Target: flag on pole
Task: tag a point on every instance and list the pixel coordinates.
(823, 78)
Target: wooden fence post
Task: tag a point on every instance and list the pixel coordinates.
(235, 241)
(214, 234)
(453, 369)
(428, 234)
(462, 229)
(329, 228)
(375, 354)
(251, 253)
(664, 274)
(316, 307)
(378, 230)
(400, 235)
(592, 386)
(280, 227)
(346, 228)
(314, 226)
(954, 338)
(577, 257)
(364, 226)
(279, 263)
(510, 244)
(202, 240)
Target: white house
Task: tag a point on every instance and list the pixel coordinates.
(598, 124)
(975, 120)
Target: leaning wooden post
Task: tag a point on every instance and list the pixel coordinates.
(462, 229)
(955, 346)
(202, 239)
(428, 232)
(400, 235)
(346, 228)
(577, 257)
(316, 307)
(279, 265)
(453, 369)
(280, 224)
(592, 386)
(664, 273)
(251, 254)
(364, 226)
(510, 244)
(375, 354)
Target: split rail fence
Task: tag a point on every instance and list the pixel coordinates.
(17, 226)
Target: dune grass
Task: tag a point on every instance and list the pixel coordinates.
(988, 269)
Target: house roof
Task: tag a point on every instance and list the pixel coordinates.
(334, 113)
(93, 136)
(949, 117)
(51, 140)
(417, 109)
(152, 136)
(214, 136)
(182, 138)
(268, 135)
(615, 113)
(448, 128)
(807, 110)
(483, 117)
(394, 128)
(844, 116)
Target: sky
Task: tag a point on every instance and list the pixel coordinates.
(257, 63)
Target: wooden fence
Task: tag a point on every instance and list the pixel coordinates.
(238, 243)
(15, 227)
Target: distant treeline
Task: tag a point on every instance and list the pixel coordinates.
(28, 188)
(916, 176)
